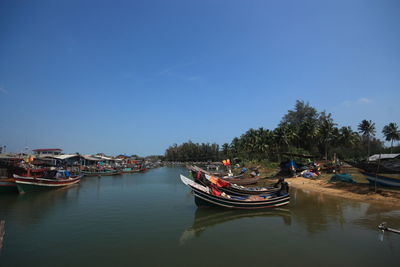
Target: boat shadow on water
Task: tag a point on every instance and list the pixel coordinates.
(206, 217)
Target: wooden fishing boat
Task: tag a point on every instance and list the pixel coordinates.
(206, 196)
(388, 180)
(28, 183)
(242, 181)
(238, 179)
(238, 190)
(8, 185)
(196, 169)
(100, 172)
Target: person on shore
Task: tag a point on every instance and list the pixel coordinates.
(283, 187)
(293, 171)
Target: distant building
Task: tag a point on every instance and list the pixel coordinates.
(47, 151)
(122, 157)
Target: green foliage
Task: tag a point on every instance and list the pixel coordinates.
(302, 130)
(391, 133)
(190, 151)
(367, 129)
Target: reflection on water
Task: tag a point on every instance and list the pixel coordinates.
(209, 217)
(316, 211)
(33, 207)
(2, 232)
(117, 219)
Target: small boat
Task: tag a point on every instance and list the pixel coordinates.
(60, 179)
(383, 226)
(388, 180)
(8, 185)
(242, 181)
(100, 172)
(206, 196)
(238, 179)
(238, 190)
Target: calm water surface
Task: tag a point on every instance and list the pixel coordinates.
(150, 219)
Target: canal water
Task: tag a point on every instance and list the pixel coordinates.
(150, 219)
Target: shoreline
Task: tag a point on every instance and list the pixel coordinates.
(357, 192)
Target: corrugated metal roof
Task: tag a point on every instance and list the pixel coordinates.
(382, 156)
(89, 157)
(65, 156)
(105, 158)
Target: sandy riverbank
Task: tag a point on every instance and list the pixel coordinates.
(358, 192)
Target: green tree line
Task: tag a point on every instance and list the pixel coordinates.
(302, 130)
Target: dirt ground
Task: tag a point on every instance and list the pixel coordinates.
(359, 192)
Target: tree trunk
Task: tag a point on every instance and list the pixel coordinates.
(279, 155)
(368, 149)
(391, 147)
(326, 150)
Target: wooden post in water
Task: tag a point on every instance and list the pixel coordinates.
(377, 170)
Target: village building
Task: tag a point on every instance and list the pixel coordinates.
(42, 152)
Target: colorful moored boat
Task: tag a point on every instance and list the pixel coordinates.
(28, 184)
(206, 196)
(238, 190)
(238, 179)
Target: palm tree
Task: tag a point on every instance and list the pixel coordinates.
(283, 136)
(264, 140)
(391, 133)
(367, 129)
(347, 137)
(327, 131)
(308, 133)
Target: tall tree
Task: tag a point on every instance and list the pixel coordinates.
(284, 135)
(308, 133)
(327, 131)
(367, 129)
(302, 111)
(347, 138)
(391, 133)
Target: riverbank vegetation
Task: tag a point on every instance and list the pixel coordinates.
(302, 130)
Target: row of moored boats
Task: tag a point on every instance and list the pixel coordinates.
(35, 179)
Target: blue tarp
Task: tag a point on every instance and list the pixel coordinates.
(290, 164)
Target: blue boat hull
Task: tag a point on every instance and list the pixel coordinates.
(381, 180)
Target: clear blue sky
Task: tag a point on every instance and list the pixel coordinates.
(138, 76)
